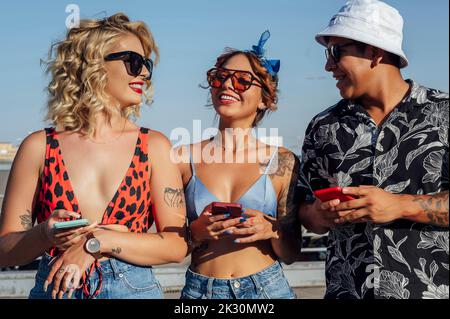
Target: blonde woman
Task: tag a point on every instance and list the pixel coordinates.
(96, 164)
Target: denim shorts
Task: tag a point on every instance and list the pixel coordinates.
(269, 283)
(120, 281)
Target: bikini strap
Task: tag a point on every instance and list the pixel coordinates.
(274, 155)
(191, 162)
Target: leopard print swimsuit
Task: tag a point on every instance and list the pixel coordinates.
(130, 206)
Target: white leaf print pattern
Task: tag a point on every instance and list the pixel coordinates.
(376, 250)
(419, 93)
(363, 139)
(433, 164)
(395, 250)
(340, 179)
(433, 291)
(415, 153)
(360, 166)
(398, 188)
(384, 165)
(438, 94)
(392, 285)
(430, 239)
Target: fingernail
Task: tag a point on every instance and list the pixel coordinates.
(236, 241)
(229, 232)
(45, 286)
(242, 220)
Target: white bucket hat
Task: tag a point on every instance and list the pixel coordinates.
(368, 21)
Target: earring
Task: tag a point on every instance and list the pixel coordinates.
(261, 108)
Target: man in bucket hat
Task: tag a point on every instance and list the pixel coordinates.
(386, 144)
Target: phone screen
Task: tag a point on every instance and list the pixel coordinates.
(235, 210)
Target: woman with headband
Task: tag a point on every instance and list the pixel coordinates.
(241, 212)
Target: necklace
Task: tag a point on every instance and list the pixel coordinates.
(112, 140)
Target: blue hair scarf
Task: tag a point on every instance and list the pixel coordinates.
(272, 66)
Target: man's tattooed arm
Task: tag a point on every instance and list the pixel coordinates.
(26, 220)
(174, 197)
(435, 207)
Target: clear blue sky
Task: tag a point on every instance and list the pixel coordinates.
(190, 34)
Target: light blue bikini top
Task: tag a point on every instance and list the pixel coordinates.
(260, 196)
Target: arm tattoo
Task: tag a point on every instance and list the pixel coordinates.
(117, 250)
(174, 197)
(26, 220)
(289, 201)
(286, 163)
(435, 207)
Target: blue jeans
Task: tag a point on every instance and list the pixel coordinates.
(120, 281)
(269, 283)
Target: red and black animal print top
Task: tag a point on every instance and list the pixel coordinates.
(130, 206)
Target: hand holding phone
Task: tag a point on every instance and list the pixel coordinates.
(234, 209)
(331, 193)
(63, 233)
(71, 224)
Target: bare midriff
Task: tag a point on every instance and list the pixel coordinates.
(226, 260)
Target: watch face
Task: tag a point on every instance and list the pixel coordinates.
(93, 245)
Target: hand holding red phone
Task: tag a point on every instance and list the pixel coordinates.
(256, 226)
(372, 205)
(210, 226)
(323, 212)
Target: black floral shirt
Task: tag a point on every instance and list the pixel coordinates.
(407, 154)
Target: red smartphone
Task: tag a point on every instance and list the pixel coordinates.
(235, 210)
(331, 193)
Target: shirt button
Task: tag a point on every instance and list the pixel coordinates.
(236, 284)
(120, 275)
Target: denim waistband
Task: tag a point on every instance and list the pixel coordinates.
(261, 278)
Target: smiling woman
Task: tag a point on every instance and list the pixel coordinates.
(79, 89)
(242, 214)
(95, 163)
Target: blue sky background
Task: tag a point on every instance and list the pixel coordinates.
(190, 35)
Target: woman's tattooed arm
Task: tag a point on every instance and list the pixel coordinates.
(26, 220)
(174, 197)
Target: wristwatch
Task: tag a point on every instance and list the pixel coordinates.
(92, 246)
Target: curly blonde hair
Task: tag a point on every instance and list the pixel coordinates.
(78, 76)
(269, 83)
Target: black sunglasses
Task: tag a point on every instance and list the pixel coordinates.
(334, 51)
(241, 80)
(133, 62)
